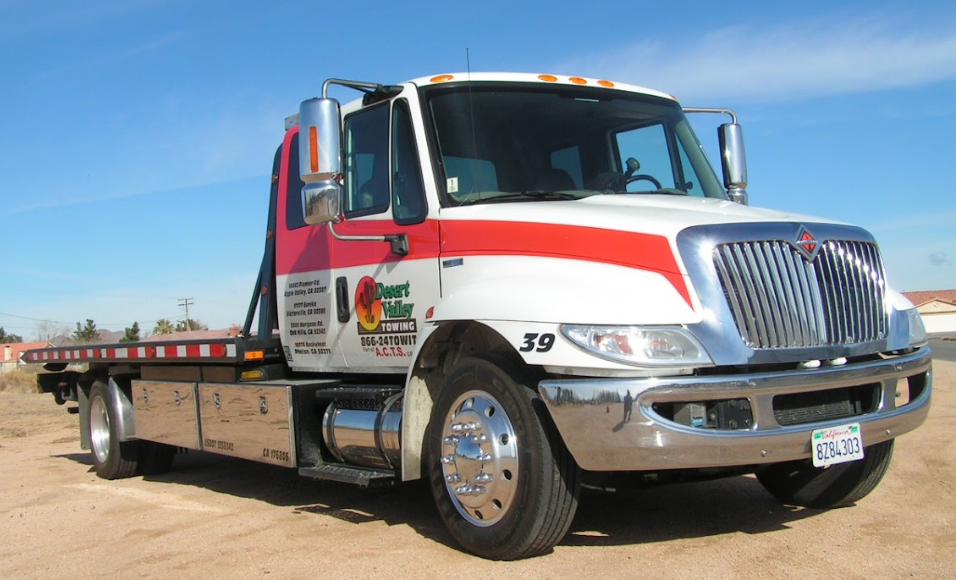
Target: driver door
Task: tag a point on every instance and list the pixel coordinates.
(382, 295)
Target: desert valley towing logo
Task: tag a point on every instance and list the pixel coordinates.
(385, 324)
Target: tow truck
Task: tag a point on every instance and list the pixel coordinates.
(515, 286)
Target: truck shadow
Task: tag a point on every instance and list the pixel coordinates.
(680, 511)
(652, 515)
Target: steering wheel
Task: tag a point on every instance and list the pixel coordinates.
(633, 165)
(644, 177)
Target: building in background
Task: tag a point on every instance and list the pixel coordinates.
(938, 309)
(10, 353)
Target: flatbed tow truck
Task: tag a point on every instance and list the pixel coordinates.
(516, 285)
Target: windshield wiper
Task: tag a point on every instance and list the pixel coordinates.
(662, 191)
(535, 194)
(541, 194)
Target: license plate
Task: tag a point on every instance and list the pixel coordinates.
(836, 445)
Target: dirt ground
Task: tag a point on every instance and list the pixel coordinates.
(214, 517)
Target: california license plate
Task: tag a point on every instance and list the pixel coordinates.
(836, 445)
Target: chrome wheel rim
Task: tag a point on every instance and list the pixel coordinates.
(480, 458)
(99, 429)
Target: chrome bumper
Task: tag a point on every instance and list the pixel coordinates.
(589, 415)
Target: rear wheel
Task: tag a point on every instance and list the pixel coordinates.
(503, 481)
(112, 458)
(800, 483)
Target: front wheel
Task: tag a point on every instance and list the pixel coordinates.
(800, 483)
(503, 482)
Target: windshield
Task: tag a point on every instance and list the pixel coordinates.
(501, 142)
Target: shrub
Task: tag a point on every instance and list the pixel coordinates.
(19, 381)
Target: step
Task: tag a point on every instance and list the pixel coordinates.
(347, 392)
(360, 476)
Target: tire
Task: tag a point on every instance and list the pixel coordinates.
(503, 482)
(799, 483)
(112, 459)
(155, 458)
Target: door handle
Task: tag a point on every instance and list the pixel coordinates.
(342, 299)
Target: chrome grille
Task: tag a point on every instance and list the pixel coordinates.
(780, 299)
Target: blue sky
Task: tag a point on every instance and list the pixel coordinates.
(136, 136)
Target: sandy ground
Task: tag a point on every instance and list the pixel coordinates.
(214, 517)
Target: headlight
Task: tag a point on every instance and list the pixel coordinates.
(917, 329)
(643, 346)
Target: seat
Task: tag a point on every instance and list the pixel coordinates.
(554, 180)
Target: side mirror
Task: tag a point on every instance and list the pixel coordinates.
(733, 161)
(320, 160)
(322, 202)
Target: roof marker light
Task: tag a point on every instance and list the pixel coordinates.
(548, 78)
(441, 78)
(578, 81)
(607, 84)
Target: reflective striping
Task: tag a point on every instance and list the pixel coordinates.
(108, 353)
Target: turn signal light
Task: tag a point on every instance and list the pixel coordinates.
(314, 148)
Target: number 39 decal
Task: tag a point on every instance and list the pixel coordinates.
(537, 342)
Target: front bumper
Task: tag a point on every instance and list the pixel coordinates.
(589, 415)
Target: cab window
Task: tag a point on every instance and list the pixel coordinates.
(408, 194)
(366, 162)
(293, 203)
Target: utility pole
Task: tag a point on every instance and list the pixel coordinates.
(185, 302)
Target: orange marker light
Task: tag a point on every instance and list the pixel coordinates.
(255, 355)
(442, 78)
(548, 78)
(607, 84)
(578, 81)
(314, 148)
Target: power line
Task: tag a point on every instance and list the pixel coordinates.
(74, 321)
(33, 319)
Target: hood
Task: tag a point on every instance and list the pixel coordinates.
(662, 215)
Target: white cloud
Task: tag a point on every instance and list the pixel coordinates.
(841, 54)
(174, 149)
(939, 259)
